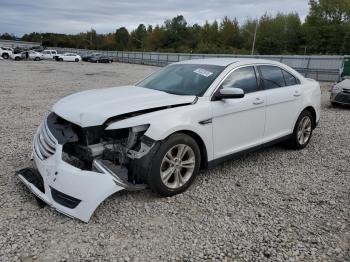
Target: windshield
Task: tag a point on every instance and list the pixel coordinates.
(183, 79)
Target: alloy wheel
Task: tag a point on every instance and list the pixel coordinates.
(304, 130)
(177, 166)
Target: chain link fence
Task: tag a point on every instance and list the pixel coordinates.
(321, 68)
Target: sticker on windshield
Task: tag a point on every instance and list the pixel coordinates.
(203, 72)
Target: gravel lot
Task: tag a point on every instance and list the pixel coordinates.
(271, 205)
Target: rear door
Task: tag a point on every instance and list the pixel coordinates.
(283, 101)
(238, 124)
(69, 57)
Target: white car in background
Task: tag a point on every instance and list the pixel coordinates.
(49, 54)
(16, 57)
(6, 52)
(70, 57)
(340, 93)
(30, 55)
(162, 131)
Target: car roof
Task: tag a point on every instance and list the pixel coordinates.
(225, 61)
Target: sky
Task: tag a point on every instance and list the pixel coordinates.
(73, 16)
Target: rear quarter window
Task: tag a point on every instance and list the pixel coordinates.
(289, 79)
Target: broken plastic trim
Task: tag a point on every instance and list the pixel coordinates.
(32, 176)
(144, 150)
(117, 179)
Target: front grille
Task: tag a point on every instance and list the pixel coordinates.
(44, 142)
(343, 98)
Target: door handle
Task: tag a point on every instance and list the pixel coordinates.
(258, 101)
(296, 94)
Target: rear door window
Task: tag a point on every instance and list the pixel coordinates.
(272, 77)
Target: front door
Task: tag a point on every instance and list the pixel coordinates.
(238, 123)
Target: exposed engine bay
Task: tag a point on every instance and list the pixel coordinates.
(120, 151)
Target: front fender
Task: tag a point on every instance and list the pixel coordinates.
(168, 121)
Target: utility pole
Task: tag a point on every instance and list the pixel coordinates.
(256, 29)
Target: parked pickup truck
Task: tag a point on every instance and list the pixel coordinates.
(49, 54)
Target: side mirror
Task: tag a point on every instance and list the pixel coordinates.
(229, 93)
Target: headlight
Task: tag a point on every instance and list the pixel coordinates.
(141, 128)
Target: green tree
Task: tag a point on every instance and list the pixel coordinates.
(7, 36)
(270, 35)
(327, 25)
(137, 38)
(121, 38)
(229, 33)
(292, 33)
(154, 39)
(177, 33)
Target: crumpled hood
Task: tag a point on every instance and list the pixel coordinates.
(94, 107)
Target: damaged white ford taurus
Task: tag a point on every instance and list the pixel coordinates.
(160, 132)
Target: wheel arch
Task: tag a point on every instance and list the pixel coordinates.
(313, 112)
(200, 142)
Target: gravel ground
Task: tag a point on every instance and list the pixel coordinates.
(271, 205)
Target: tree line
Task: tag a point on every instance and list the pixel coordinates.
(326, 30)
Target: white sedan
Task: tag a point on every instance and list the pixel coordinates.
(70, 57)
(31, 55)
(340, 93)
(162, 131)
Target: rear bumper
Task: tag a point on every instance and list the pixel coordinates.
(69, 190)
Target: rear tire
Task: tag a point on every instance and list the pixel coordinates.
(17, 58)
(175, 165)
(302, 131)
(60, 59)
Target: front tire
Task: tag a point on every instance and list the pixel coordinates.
(302, 131)
(175, 165)
(37, 59)
(5, 56)
(76, 60)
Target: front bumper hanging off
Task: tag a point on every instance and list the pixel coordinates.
(68, 189)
